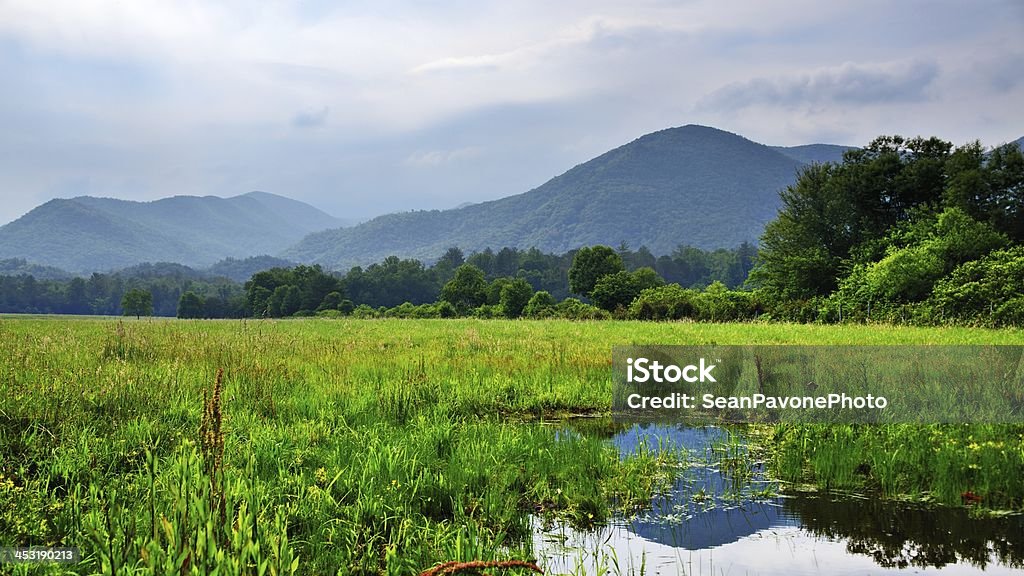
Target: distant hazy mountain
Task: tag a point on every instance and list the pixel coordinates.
(19, 266)
(693, 184)
(815, 153)
(88, 234)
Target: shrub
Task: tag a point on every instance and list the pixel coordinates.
(541, 305)
(573, 309)
(668, 302)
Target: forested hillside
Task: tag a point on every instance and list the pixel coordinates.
(692, 185)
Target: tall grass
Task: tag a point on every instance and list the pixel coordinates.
(363, 447)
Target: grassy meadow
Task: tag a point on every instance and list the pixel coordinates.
(386, 446)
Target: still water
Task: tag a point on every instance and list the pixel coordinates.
(719, 518)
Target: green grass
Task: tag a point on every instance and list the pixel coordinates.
(381, 446)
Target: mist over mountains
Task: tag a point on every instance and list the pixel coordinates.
(689, 185)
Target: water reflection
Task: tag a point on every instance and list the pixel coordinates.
(717, 520)
(900, 536)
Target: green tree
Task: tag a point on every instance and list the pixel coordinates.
(620, 289)
(801, 249)
(987, 288)
(515, 296)
(838, 211)
(346, 307)
(77, 300)
(589, 265)
(614, 291)
(330, 302)
(467, 289)
(137, 302)
(191, 305)
(291, 302)
(540, 305)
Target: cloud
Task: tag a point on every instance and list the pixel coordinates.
(430, 158)
(365, 106)
(311, 119)
(857, 84)
(1006, 72)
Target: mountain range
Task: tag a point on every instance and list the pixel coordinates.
(688, 185)
(694, 184)
(87, 234)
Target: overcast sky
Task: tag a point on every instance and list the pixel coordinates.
(367, 107)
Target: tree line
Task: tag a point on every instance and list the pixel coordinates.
(176, 290)
(903, 230)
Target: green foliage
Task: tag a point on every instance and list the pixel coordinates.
(137, 302)
(937, 462)
(467, 289)
(801, 249)
(541, 305)
(514, 297)
(392, 458)
(589, 265)
(614, 291)
(242, 269)
(919, 254)
(835, 213)
(394, 281)
(668, 302)
(715, 304)
(875, 237)
(346, 306)
(191, 305)
(573, 309)
(331, 301)
(987, 290)
(282, 292)
(617, 291)
(488, 311)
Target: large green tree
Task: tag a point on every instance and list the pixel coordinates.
(515, 296)
(191, 305)
(467, 289)
(137, 302)
(589, 265)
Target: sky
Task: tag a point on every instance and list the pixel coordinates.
(367, 107)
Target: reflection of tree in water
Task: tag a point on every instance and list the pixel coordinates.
(898, 536)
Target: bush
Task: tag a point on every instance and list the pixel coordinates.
(446, 310)
(488, 311)
(573, 309)
(541, 305)
(364, 311)
(669, 302)
(986, 290)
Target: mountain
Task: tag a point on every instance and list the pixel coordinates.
(814, 153)
(693, 184)
(87, 234)
(19, 266)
